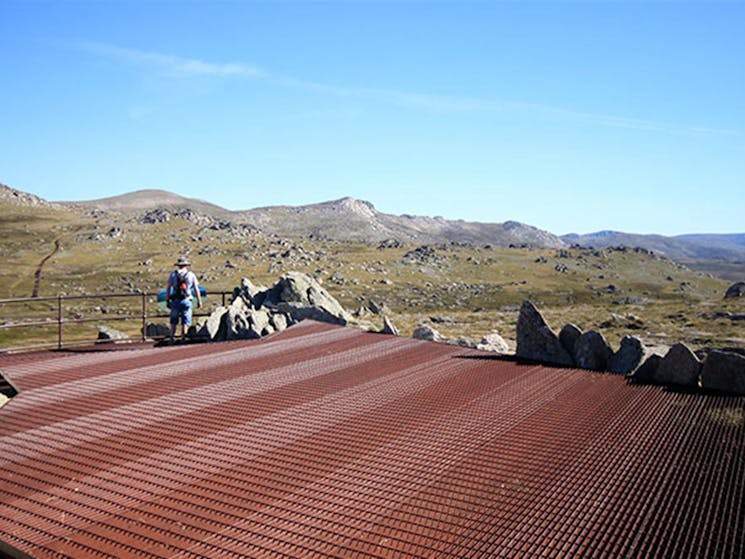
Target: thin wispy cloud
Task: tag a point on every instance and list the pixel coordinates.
(175, 66)
(182, 67)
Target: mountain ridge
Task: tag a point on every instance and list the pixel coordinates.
(350, 219)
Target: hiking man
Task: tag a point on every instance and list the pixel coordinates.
(182, 285)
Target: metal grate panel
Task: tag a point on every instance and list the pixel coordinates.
(330, 442)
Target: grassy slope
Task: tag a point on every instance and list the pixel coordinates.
(469, 291)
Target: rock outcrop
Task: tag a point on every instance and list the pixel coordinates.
(258, 311)
(536, 341)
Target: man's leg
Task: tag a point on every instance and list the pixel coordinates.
(174, 320)
(186, 318)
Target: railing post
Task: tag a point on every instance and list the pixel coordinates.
(59, 322)
(144, 315)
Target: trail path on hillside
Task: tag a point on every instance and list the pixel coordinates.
(37, 273)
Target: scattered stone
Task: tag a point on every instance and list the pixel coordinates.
(592, 351)
(420, 255)
(724, 371)
(535, 339)
(108, 334)
(158, 215)
(389, 243)
(735, 290)
(679, 367)
(629, 321)
(378, 308)
(155, 331)
(427, 333)
(568, 337)
(463, 341)
(388, 327)
(495, 343)
(628, 358)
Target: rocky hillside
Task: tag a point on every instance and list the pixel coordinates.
(20, 198)
(144, 200)
(682, 247)
(348, 219)
(462, 288)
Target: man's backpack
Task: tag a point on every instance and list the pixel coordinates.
(180, 290)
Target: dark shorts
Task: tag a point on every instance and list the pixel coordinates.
(181, 311)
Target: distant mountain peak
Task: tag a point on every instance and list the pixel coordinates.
(149, 199)
(359, 207)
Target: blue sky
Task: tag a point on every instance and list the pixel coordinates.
(570, 116)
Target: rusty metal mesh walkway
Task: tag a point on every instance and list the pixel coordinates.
(331, 442)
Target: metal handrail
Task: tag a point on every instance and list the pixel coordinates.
(60, 319)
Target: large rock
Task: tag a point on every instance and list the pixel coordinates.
(300, 296)
(108, 334)
(536, 341)
(735, 290)
(592, 351)
(724, 371)
(388, 327)
(236, 325)
(646, 371)
(495, 343)
(260, 322)
(680, 367)
(427, 333)
(629, 357)
(568, 337)
(156, 330)
(252, 295)
(278, 322)
(214, 326)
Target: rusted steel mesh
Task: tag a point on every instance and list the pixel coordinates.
(330, 442)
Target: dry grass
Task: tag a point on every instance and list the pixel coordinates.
(460, 290)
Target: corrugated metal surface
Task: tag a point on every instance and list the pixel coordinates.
(330, 442)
